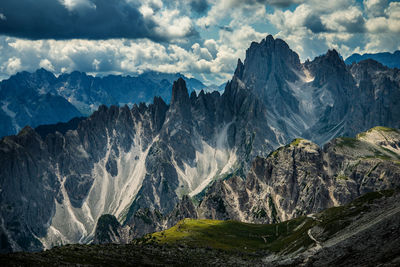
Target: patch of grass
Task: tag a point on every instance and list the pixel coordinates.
(283, 237)
(377, 128)
(383, 129)
(347, 142)
(233, 235)
(371, 196)
(274, 153)
(296, 141)
(360, 135)
(342, 177)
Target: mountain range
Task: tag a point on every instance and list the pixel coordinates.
(42, 98)
(207, 154)
(391, 60)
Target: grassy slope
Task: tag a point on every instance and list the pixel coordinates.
(205, 242)
(233, 235)
(284, 237)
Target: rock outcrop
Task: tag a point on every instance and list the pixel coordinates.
(302, 178)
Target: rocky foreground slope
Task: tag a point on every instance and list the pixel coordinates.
(144, 164)
(365, 232)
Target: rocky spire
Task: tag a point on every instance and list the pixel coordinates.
(180, 101)
(179, 93)
(239, 69)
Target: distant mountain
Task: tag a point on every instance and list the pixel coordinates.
(203, 154)
(391, 60)
(42, 98)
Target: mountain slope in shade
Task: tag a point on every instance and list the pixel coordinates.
(391, 60)
(138, 164)
(363, 232)
(41, 98)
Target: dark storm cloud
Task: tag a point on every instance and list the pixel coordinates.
(282, 3)
(97, 19)
(226, 28)
(199, 6)
(314, 23)
(276, 3)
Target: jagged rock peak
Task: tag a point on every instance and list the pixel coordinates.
(333, 56)
(266, 59)
(270, 42)
(179, 92)
(158, 101)
(27, 130)
(239, 69)
(42, 72)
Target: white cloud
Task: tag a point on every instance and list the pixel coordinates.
(375, 8)
(2, 16)
(377, 25)
(46, 64)
(201, 52)
(77, 4)
(310, 29)
(118, 56)
(12, 65)
(240, 11)
(388, 22)
(315, 26)
(172, 25)
(348, 20)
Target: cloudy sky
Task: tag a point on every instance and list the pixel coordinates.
(199, 38)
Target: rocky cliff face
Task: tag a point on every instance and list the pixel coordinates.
(138, 163)
(372, 104)
(302, 178)
(320, 99)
